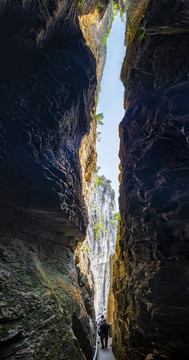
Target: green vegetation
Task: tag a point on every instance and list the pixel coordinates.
(97, 169)
(98, 138)
(117, 217)
(117, 9)
(102, 221)
(100, 6)
(81, 4)
(85, 248)
(109, 183)
(127, 3)
(115, 220)
(99, 229)
(99, 118)
(104, 39)
(98, 181)
(139, 29)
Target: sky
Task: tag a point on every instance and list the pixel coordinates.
(111, 105)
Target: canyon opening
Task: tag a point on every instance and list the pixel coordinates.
(67, 254)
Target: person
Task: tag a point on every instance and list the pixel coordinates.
(104, 328)
(100, 323)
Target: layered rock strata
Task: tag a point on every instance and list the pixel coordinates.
(48, 88)
(151, 314)
(93, 255)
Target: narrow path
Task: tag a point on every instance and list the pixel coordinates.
(106, 354)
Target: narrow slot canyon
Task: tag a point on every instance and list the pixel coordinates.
(67, 253)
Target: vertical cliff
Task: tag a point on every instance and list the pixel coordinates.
(151, 317)
(48, 81)
(94, 20)
(94, 253)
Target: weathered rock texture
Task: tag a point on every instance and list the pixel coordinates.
(48, 88)
(110, 300)
(94, 23)
(43, 313)
(94, 253)
(151, 271)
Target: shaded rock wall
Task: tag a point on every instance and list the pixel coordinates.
(48, 88)
(48, 83)
(151, 274)
(43, 314)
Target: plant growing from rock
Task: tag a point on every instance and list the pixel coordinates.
(97, 169)
(104, 39)
(98, 181)
(99, 229)
(99, 118)
(85, 248)
(115, 220)
(81, 4)
(117, 9)
(117, 217)
(98, 138)
(139, 29)
(127, 3)
(100, 6)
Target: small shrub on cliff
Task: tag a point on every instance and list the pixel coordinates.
(81, 4)
(85, 248)
(115, 220)
(97, 169)
(98, 181)
(99, 118)
(100, 6)
(127, 3)
(99, 229)
(98, 138)
(109, 183)
(117, 217)
(104, 39)
(139, 29)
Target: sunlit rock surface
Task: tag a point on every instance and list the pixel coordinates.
(93, 256)
(151, 314)
(94, 22)
(48, 89)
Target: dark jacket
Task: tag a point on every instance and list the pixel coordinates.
(104, 329)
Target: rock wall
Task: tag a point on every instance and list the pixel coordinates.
(43, 313)
(48, 89)
(94, 253)
(151, 314)
(94, 22)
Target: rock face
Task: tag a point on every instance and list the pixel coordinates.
(48, 88)
(94, 22)
(94, 253)
(151, 271)
(43, 314)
